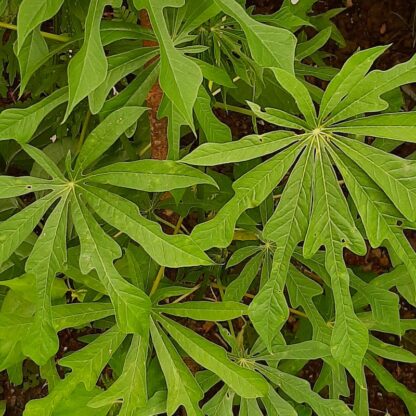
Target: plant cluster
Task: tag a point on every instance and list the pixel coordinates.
(230, 237)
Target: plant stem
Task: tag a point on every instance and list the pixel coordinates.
(234, 108)
(145, 149)
(161, 271)
(51, 36)
(158, 279)
(163, 221)
(184, 296)
(84, 130)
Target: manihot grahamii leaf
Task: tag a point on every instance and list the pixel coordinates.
(380, 217)
(332, 225)
(150, 175)
(105, 135)
(205, 311)
(366, 94)
(182, 387)
(46, 260)
(87, 70)
(244, 382)
(270, 46)
(86, 365)
(20, 124)
(98, 251)
(16, 229)
(300, 391)
(131, 386)
(250, 190)
(312, 207)
(287, 228)
(31, 14)
(166, 250)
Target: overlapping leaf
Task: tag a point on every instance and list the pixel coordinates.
(312, 208)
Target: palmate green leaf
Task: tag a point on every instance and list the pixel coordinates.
(85, 279)
(205, 311)
(299, 92)
(250, 147)
(250, 407)
(393, 126)
(41, 59)
(11, 186)
(250, 191)
(119, 66)
(15, 327)
(98, 251)
(195, 13)
(352, 71)
(23, 287)
(86, 365)
(142, 269)
(45, 261)
(20, 124)
(88, 68)
(105, 134)
(391, 352)
(150, 175)
(241, 254)
(384, 304)
(244, 382)
(240, 285)
(16, 229)
(270, 46)
(135, 93)
(379, 216)
(307, 350)
(331, 225)
(307, 48)
(156, 405)
(78, 314)
(115, 30)
(45, 162)
(276, 405)
(300, 391)
(166, 250)
(278, 117)
(325, 73)
(31, 14)
(394, 175)
(287, 227)
(80, 407)
(180, 77)
(215, 131)
(131, 386)
(182, 387)
(399, 276)
(301, 291)
(365, 95)
(220, 404)
(214, 73)
(33, 51)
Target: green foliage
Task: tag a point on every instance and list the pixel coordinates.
(240, 233)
